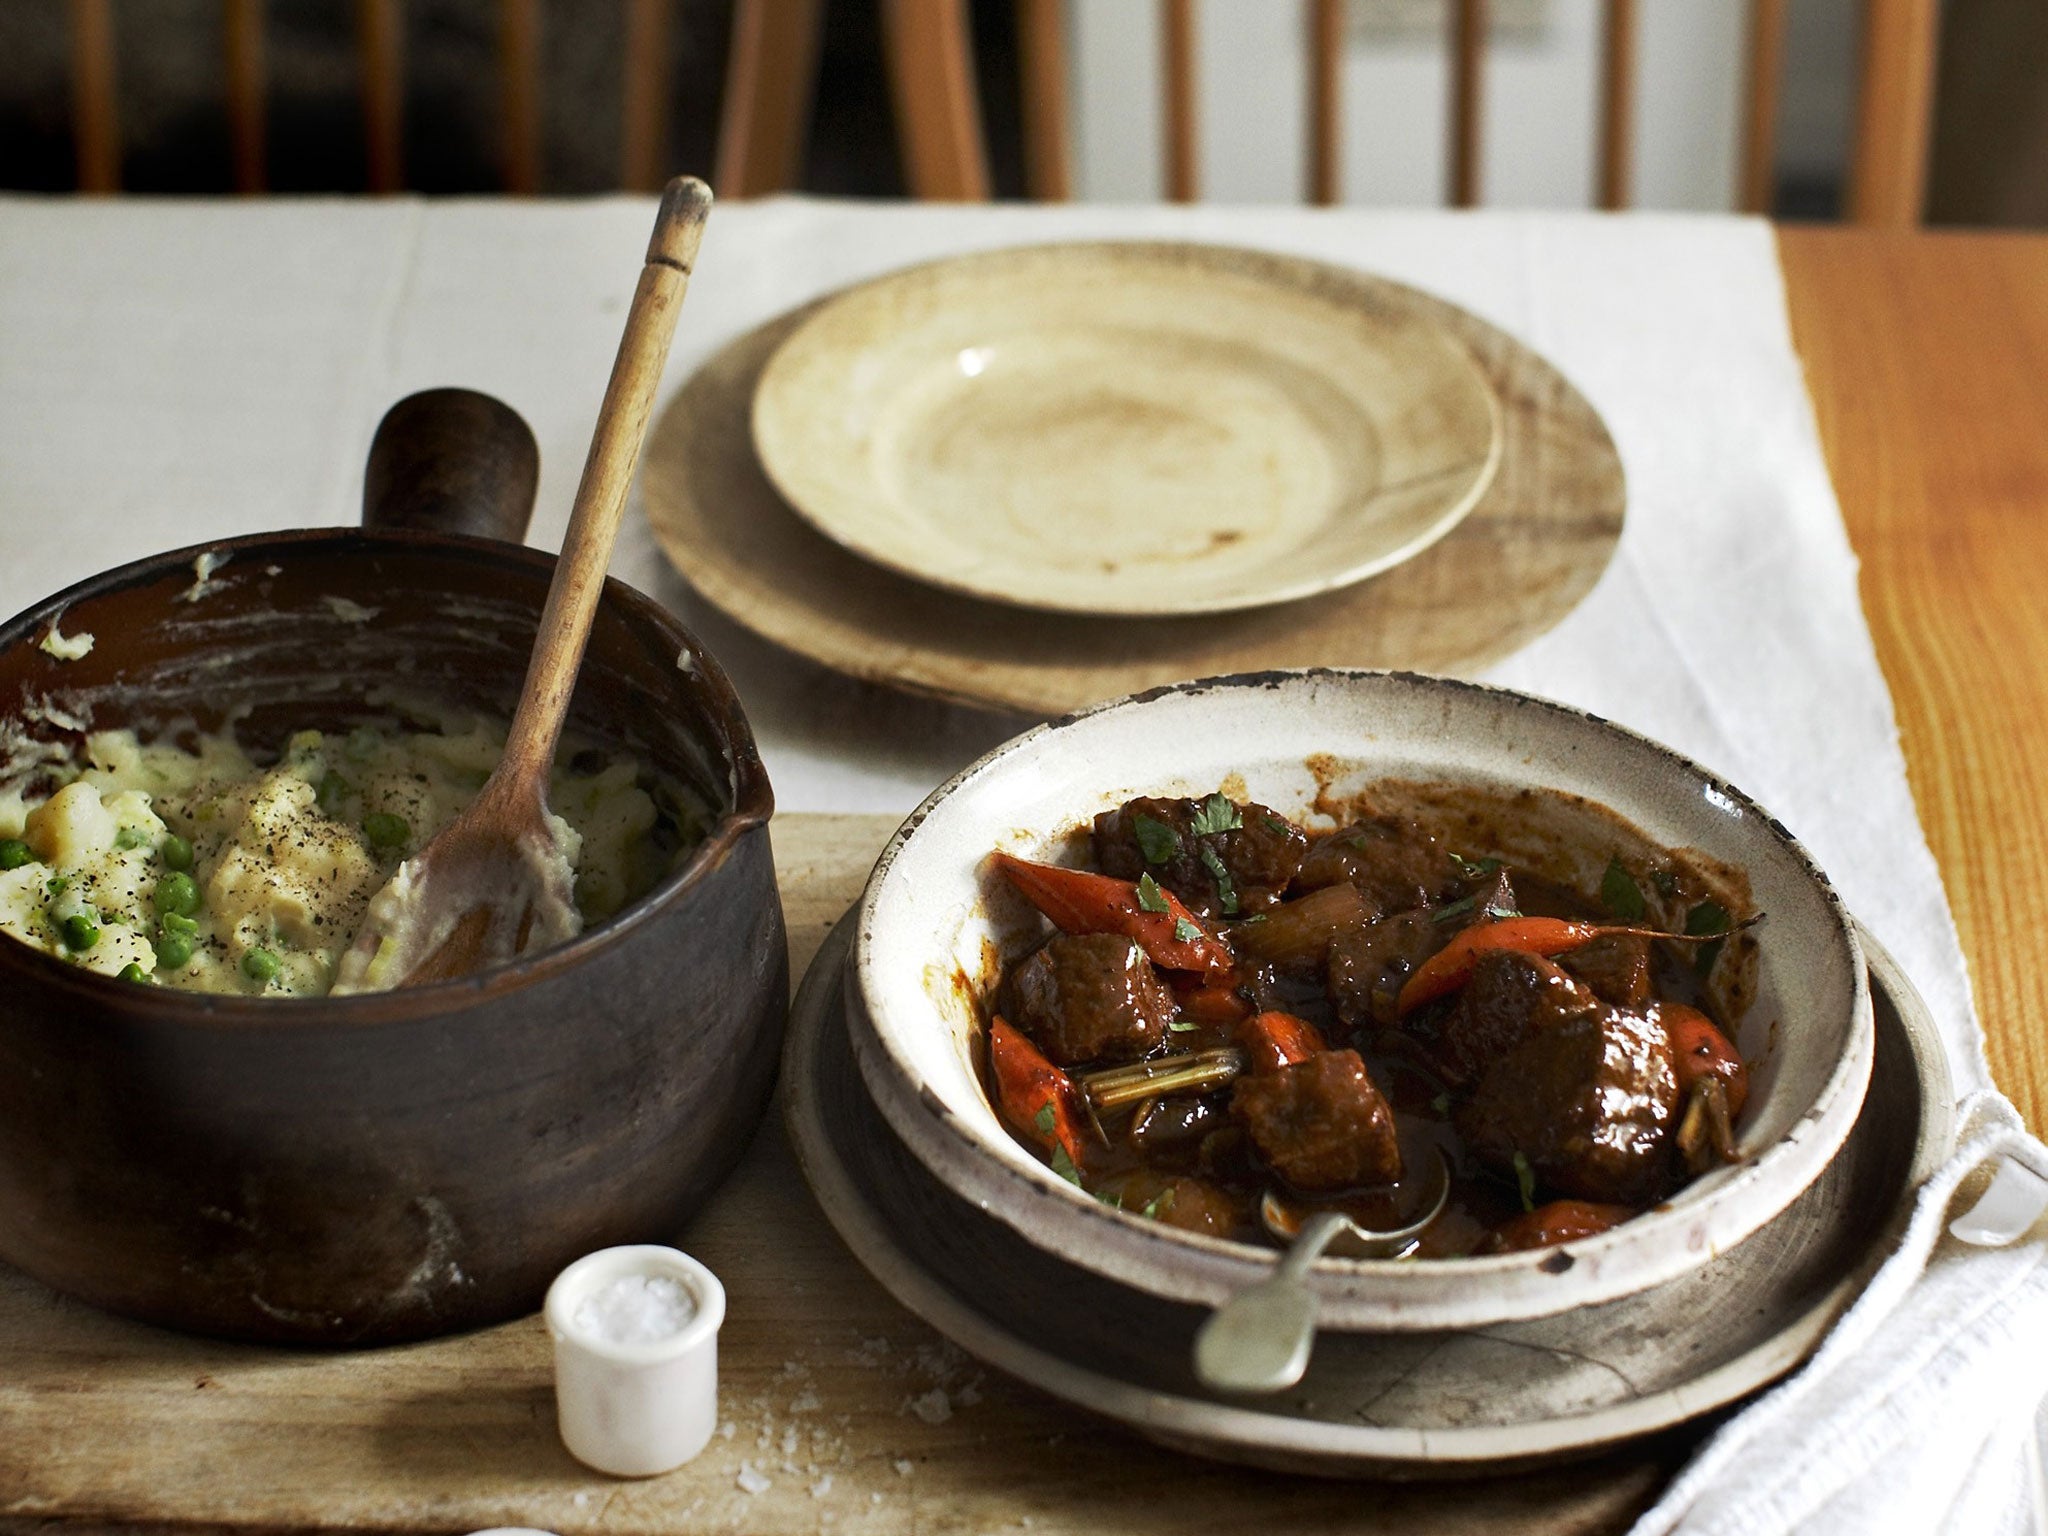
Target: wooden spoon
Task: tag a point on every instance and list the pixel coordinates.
(496, 881)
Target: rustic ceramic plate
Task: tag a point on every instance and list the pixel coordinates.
(1525, 556)
(1389, 1405)
(935, 921)
(1118, 429)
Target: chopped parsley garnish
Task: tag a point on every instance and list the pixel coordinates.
(1525, 1182)
(1045, 1119)
(1156, 840)
(1441, 1104)
(1218, 814)
(1665, 881)
(1620, 894)
(1163, 1201)
(1110, 1197)
(1450, 911)
(1475, 869)
(1226, 888)
(1063, 1165)
(1183, 1026)
(1707, 917)
(1185, 931)
(1150, 897)
(1278, 827)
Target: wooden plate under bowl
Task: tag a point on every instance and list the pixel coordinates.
(1125, 429)
(1455, 1403)
(1530, 549)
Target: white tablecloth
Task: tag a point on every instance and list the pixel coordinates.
(178, 371)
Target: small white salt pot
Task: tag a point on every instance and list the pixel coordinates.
(635, 1408)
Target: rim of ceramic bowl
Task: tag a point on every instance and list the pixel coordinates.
(752, 797)
(1685, 1230)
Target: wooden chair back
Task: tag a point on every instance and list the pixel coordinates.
(771, 70)
(930, 59)
(772, 67)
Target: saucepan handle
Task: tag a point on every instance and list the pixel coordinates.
(452, 461)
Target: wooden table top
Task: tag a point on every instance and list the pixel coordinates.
(1927, 357)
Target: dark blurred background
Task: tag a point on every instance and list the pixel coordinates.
(1990, 154)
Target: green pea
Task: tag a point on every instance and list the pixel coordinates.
(184, 927)
(332, 791)
(361, 745)
(385, 830)
(259, 965)
(14, 853)
(80, 931)
(130, 837)
(57, 885)
(133, 972)
(176, 895)
(173, 951)
(175, 852)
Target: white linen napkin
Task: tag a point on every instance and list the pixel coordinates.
(1917, 1414)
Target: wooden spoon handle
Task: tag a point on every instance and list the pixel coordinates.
(601, 497)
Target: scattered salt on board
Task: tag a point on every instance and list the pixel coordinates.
(636, 1309)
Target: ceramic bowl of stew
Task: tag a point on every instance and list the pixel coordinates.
(1562, 796)
(358, 1170)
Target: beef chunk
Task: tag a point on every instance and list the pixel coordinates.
(1321, 1124)
(1172, 1130)
(1089, 997)
(1368, 965)
(1399, 866)
(1193, 1205)
(1616, 967)
(1589, 1103)
(1510, 997)
(1257, 854)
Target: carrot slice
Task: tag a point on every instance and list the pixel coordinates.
(1212, 1000)
(1274, 1040)
(1699, 1049)
(1080, 901)
(1561, 1221)
(1036, 1097)
(1451, 967)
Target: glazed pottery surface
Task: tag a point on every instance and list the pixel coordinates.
(936, 923)
(1124, 429)
(1456, 1403)
(362, 1169)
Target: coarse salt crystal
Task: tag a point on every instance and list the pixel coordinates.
(751, 1481)
(904, 1466)
(637, 1309)
(934, 1407)
(822, 1486)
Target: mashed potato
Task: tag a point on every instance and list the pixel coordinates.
(194, 867)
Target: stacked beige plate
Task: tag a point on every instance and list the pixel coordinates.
(1038, 477)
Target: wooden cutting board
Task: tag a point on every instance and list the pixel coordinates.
(841, 1411)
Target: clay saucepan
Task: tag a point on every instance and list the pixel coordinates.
(365, 1169)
